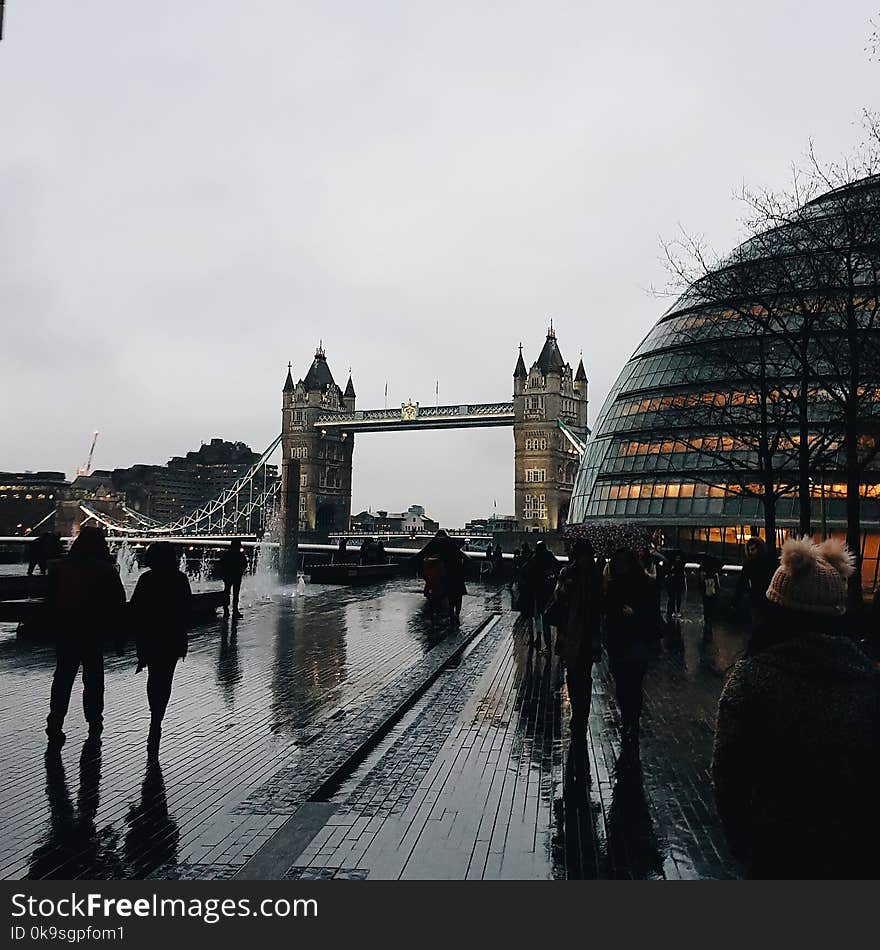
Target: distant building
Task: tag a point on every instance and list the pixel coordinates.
(412, 521)
(492, 525)
(161, 492)
(166, 492)
(26, 498)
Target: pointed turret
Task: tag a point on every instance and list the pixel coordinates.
(288, 383)
(550, 360)
(319, 376)
(581, 375)
(520, 372)
(348, 397)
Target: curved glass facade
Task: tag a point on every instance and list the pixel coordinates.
(676, 437)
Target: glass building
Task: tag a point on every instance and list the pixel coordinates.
(759, 357)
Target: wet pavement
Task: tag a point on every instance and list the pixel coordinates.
(344, 735)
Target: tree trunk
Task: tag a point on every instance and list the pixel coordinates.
(851, 445)
(770, 521)
(805, 500)
(853, 509)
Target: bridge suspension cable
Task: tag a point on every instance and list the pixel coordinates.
(225, 514)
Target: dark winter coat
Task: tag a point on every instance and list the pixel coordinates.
(796, 764)
(579, 592)
(86, 599)
(160, 611)
(538, 579)
(449, 552)
(630, 632)
(756, 574)
(231, 566)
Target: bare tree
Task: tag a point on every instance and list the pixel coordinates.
(803, 293)
(748, 414)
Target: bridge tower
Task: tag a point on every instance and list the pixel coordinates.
(324, 456)
(545, 462)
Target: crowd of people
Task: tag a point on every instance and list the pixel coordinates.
(87, 606)
(796, 757)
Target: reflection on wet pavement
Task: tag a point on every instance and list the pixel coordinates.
(242, 699)
(485, 782)
(478, 779)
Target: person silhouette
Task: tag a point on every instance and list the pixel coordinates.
(160, 608)
(85, 600)
(230, 569)
(44, 548)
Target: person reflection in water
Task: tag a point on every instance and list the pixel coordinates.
(228, 665)
(153, 835)
(230, 569)
(85, 600)
(160, 609)
(577, 816)
(633, 847)
(74, 847)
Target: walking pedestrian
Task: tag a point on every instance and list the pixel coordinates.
(630, 622)
(577, 608)
(541, 572)
(230, 569)
(754, 578)
(796, 762)
(497, 560)
(85, 602)
(160, 608)
(710, 588)
(676, 584)
(448, 552)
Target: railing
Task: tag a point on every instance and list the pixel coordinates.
(416, 413)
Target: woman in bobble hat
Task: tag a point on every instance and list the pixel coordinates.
(796, 764)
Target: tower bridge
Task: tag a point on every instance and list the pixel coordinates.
(548, 415)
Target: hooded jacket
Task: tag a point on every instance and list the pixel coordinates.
(796, 761)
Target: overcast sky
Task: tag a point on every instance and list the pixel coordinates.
(192, 194)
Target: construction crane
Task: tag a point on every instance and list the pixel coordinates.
(86, 469)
